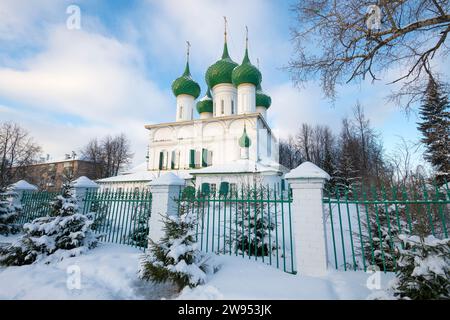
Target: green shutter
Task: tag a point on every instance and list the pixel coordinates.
(205, 188)
(224, 188)
(161, 160)
(204, 157)
(172, 160)
(192, 159)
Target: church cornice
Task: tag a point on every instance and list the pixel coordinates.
(210, 120)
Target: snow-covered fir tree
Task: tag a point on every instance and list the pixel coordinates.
(435, 128)
(138, 236)
(380, 236)
(254, 223)
(423, 269)
(9, 212)
(65, 231)
(175, 257)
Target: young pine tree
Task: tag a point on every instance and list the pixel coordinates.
(254, 223)
(8, 213)
(65, 231)
(435, 128)
(423, 269)
(175, 256)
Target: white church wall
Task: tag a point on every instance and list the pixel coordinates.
(219, 136)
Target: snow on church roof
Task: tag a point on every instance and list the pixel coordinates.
(144, 175)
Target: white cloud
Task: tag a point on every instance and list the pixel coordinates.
(96, 80)
(169, 23)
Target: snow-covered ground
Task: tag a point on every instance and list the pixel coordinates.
(110, 271)
(240, 278)
(106, 272)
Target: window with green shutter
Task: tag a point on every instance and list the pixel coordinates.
(172, 160)
(205, 189)
(204, 157)
(161, 160)
(224, 188)
(192, 159)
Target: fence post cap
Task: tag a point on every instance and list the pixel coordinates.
(168, 179)
(84, 182)
(23, 185)
(307, 170)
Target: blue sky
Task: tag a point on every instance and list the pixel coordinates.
(114, 74)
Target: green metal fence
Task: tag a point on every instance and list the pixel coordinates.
(35, 205)
(254, 223)
(120, 216)
(364, 222)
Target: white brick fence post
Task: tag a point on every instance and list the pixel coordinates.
(164, 191)
(307, 182)
(81, 186)
(19, 188)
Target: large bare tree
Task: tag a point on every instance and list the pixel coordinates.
(17, 150)
(110, 154)
(353, 39)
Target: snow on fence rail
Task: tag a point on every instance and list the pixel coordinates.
(252, 223)
(120, 216)
(363, 223)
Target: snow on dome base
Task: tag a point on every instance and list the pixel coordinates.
(205, 105)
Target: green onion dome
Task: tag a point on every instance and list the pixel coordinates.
(246, 73)
(262, 99)
(244, 140)
(220, 72)
(186, 85)
(205, 104)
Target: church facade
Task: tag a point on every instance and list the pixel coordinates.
(230, 139)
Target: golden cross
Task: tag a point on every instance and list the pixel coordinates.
(188, 45)
(246, 37)
(226, 22)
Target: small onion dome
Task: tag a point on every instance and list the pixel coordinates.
(205, 104)
(186, 85)
(262, 99)
(246, 73)
(244, 140)
(220, 72)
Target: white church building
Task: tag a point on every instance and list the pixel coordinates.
(230, 140)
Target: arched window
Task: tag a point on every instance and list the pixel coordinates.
(181, 113)
(222, 106)
(232, 106)
(163, 160)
